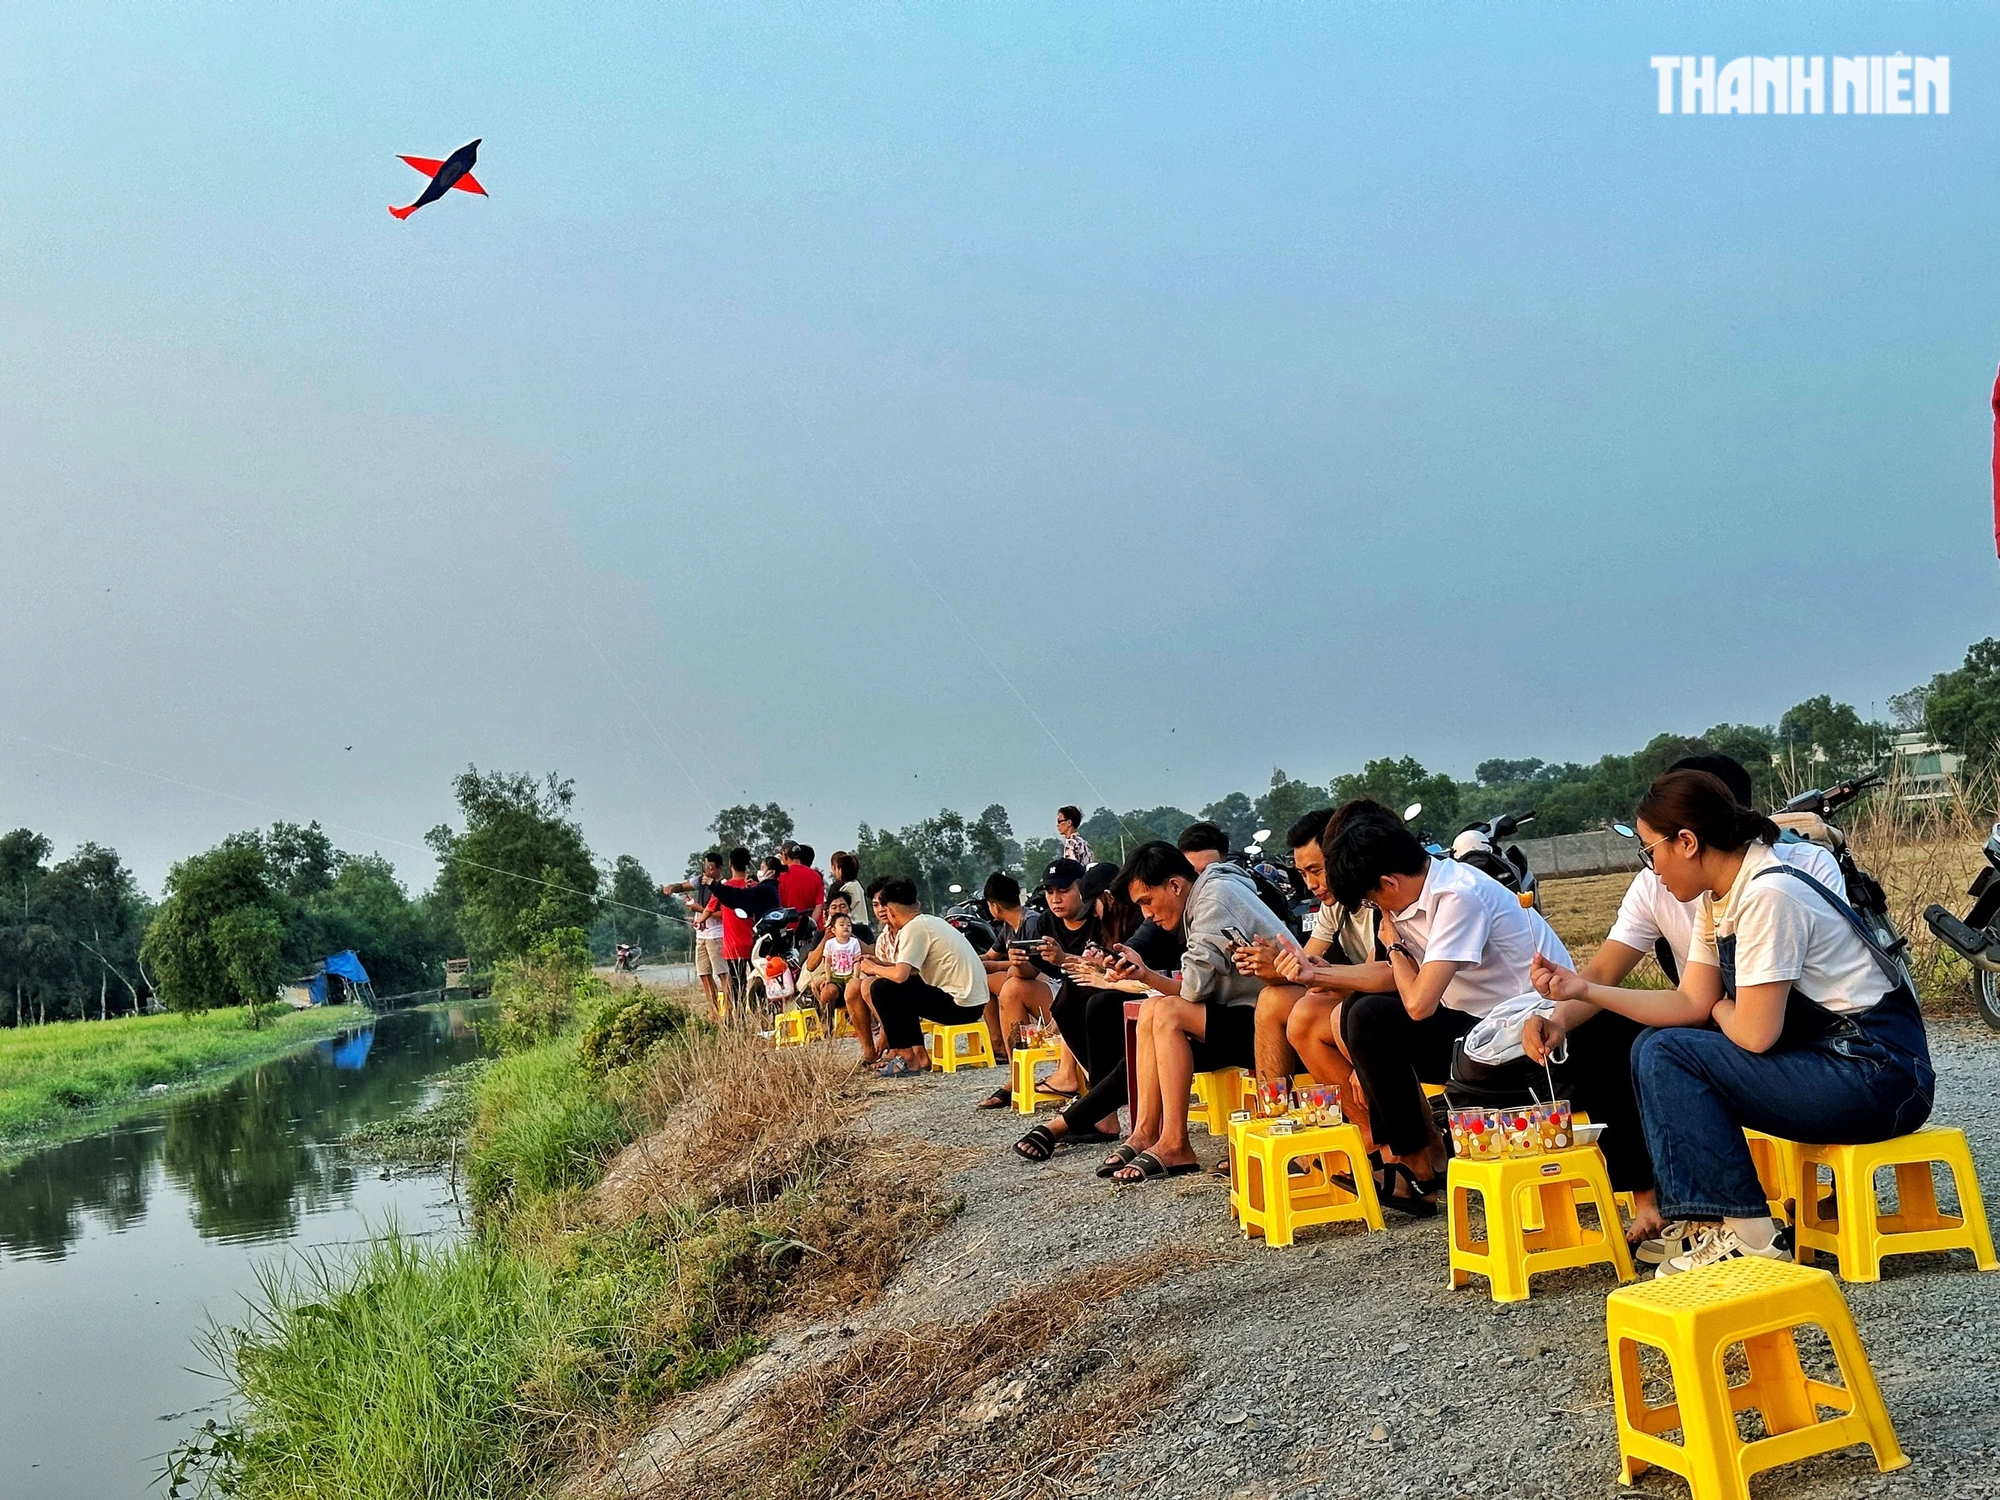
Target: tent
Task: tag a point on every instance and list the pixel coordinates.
(349, 980)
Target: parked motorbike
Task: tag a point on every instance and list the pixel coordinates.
(626, 959)
(1809, 816)
(782, 937)
(1483, 846)
(1976, 936)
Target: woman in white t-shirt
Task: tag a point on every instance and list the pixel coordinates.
(1787, 1020)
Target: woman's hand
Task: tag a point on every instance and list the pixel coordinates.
(1540, 1036)
(1552, 981)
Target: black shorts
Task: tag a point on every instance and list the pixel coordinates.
(1231, 1041)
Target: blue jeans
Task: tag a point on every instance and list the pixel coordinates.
(1698, 1092)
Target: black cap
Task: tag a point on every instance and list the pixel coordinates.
(1098, 879)
(1061, 875)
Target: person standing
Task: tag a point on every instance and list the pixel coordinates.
(800, 886)
(1074, 845)
(707, 923)
(847, 882)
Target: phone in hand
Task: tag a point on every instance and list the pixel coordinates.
(1236, 937)
(1030, 946)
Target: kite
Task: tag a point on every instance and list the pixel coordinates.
(455, 171)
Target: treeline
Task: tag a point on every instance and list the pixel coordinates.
(80, 940)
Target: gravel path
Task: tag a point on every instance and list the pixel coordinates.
(1345, 1366)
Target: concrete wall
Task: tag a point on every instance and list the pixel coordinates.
(1598, 853)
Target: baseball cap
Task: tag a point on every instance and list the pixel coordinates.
(1098, 879)
(1062, 874)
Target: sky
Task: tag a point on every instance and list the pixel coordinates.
(874, 409)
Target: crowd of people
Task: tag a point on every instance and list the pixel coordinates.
(1784, 1014)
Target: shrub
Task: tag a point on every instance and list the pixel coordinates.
(541, 1123)
(627, 1027)
(546, 988)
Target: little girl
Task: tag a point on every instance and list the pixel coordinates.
(836, 957)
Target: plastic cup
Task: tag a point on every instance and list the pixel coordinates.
(1520, 1132)
(1483, 1136)
(1555, 1126)
(1274, 1097)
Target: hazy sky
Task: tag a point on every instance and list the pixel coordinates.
(1246, 385)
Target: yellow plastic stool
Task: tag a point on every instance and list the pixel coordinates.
(1850, 1224)
(842, 1026)
(1218, 1093)
(1694, 1318)
(944, 1042)
(1021, 1066)
(1268, 1200)
(1554, 1183)
(794, 1028)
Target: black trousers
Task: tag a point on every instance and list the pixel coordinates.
(1092, 1022)
(904, 1006)
(1395, 1056)
(1598, 1079)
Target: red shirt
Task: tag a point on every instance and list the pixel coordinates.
(801, 887)
(737, 938)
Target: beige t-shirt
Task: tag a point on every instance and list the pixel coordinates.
(943, 959)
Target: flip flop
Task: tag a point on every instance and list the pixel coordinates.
(899, 1067)
(998, 1099)
(1116, 1160)
(1037, 1145)
(1151, 1169)
(1414, 1203)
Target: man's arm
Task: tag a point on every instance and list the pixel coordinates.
(896, 973)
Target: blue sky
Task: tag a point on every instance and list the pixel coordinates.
(1276, 389)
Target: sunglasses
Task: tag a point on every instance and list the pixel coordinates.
(1626, 830)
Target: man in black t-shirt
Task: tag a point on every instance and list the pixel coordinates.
(1033, 975)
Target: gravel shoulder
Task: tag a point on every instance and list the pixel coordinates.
(1346, 1366)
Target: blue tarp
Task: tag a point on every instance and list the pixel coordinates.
(348, 966)
(353, 1052)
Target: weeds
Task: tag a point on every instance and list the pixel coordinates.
(1014, 1405)
(541, 1123)
(427, 1134)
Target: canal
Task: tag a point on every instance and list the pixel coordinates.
(120, 1251)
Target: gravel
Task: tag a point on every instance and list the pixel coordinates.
(1345, 1366)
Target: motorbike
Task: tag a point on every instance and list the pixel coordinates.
(626, 959)
(1975, 937)
(779, 942)
(1483, 846)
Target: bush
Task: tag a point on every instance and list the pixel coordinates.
(627, 1027)
(546, 988)
(541, 1123)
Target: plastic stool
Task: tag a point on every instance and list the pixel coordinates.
(1218, 1092)
(1269, 1201)
(1021, 1067)
(1555, 1182)
(794, 1028)
(1694, 1318)
(1850, 1224)
(944, 1042)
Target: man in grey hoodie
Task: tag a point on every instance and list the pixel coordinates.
(1204, 1017)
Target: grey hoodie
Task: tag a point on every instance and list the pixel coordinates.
(1224, 895)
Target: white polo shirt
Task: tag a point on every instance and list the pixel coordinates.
(1466, 916)
(1649, 911)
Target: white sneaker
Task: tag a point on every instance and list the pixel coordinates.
(1676, 1237)
(1714, 1244)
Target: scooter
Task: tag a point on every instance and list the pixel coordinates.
(626, 959)
(1480, 845)
(1976, 936)
(1808, 816)
(779, 942)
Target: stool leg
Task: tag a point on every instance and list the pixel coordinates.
(1860, 1254)
(1506, 1247)
(1859, 1378)
(1278, 1193)
(1628, 1390)
(1708, 1430)
(1777, 1385)
(1970, 1207)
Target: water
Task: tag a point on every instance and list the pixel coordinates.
(119, 1251)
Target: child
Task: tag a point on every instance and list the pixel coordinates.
(836, 956)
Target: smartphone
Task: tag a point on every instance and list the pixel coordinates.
(1024, 945)
(1236, 937)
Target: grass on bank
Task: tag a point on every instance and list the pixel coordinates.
(598, 1281)
(66, 1073)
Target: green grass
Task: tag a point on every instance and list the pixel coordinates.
(428, 1133)
(61, 1079)
(541, 1124)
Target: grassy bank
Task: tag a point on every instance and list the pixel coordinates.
(61, 1079)
(646, 1191)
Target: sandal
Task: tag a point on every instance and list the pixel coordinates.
(899, 1067)
(1038, 1144)
(1151, 1169)
(998, 1099)
(1415, 1203)
(1117, 1160)
(1055, 1093)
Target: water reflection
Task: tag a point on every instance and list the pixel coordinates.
(251, 1157)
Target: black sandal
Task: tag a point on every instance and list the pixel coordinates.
(998, 1099)
(1116, 1160)
(1038, 1144)
(1414, 1203)
(1151, 1169)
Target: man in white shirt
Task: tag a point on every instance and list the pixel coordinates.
(935, 976)
(1459, 943)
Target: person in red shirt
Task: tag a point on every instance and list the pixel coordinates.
(800, 886)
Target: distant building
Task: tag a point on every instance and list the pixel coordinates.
(1924, 769)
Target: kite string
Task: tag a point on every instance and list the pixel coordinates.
(379, 838)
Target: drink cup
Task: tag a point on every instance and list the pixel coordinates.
(1483, 1135)
(1519, 1131)
(1274, 1097)
(1555, 1126)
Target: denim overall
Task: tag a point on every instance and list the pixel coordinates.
(1845, 1078)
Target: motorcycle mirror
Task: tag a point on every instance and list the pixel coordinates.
(1411, 813)
(1254, 850)
(1260, 835)
(1624, 830)
(955, 889)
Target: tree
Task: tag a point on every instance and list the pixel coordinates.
(521, 868)
(202, 951)
(365, 908)
(1963, 709)
(1236, 816)
(1398, 783)
(761, 830)
(302, 860)
(96, 902)
(1285, 803)
(635, 912)
(1820, 741)
(992, 840)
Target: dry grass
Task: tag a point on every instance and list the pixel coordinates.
(1014, 1405)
